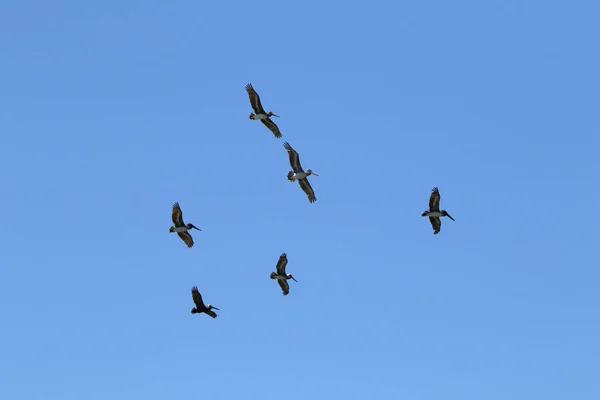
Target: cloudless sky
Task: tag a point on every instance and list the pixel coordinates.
(111, 111)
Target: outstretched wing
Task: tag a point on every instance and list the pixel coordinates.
(434, 200)
(177, 215)
(305, 185)
(436, 224)
(272, 126)
(211, 313)
(284, 286)
(197, 297)
(254, 100)
(281, 263)
(187, 238)
(294, 158)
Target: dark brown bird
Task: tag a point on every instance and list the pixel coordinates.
(259, 112)
(298, 174)
(180, 227)
(281, 276)
(434, 212)
(200, 307)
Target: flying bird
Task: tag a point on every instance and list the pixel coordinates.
(180, 227)
(200, 307)
(281, 276)
(434, 212)
(259, 112)
(299, 174)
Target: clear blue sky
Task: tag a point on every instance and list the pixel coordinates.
(111, 111)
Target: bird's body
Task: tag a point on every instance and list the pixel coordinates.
(180, 227)
(260, 114)
(200, 307)
(281, 276)
(434, 213)
(298, 174)
(431, 214)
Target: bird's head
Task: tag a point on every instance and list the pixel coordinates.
(311, 172)
(291, 277)
(272, 114)
(445, 213)
(190, 226)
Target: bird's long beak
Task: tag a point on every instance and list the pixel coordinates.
(196, 228)
(450, 217)
(293, 279)
(315, 174)
(275, 115)
(216, 308)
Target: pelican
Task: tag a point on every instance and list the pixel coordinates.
(200, 307)
(299, 174)
(434, 212)
(181, 228)
(259, 112)
(281, 276)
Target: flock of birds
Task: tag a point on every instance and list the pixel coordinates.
(296, 174)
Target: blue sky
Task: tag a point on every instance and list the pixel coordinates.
(111, 111)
